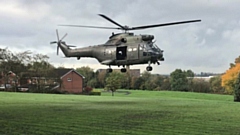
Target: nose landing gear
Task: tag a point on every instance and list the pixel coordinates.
(149, 68)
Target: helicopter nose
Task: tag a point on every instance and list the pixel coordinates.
(160, 56)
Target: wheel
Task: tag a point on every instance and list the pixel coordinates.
(123, 70)
(109, 70)
(149, 68)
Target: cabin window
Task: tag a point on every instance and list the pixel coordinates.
(134, 49)
(130, 49)
(69, 79)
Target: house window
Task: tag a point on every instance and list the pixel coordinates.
(69, 79)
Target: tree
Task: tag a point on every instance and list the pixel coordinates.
(229, 78)
(145, 77)
(179, 81)
(101, 77)
(200, 85)
(166, 85)
(215, 84)
(15, 63)
(138, 84)
(87, 72)
(237, 60)
(114, 81)
(39, 68)
(24, 62)
(237, 89)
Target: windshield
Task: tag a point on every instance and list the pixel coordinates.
(153, 46)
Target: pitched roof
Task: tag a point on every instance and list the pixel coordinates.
(64, 71)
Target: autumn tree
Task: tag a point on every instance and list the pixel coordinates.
(229, 78)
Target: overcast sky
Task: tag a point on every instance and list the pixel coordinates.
(208, 46)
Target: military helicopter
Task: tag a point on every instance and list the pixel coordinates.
(122, 49)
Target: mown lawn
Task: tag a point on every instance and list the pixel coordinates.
(140, 112)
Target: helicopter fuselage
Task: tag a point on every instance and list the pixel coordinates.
(121, 49)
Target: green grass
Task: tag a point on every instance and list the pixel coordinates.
(140, 112)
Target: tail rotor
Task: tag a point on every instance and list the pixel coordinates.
(58, 42)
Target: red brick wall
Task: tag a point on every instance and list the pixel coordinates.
(72, 83)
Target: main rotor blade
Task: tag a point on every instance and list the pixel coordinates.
(53, 42)
(57, 34)
(107, 18)
(96, 27)
(58, 49)
(63, 37)
(160, 25)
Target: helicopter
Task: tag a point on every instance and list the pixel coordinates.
(121, 49)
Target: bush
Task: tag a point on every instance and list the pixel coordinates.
(95, 92)
(87, 89)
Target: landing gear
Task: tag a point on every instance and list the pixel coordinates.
(149, 68)
(123, 70)
(109, 70)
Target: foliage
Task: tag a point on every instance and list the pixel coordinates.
(179, 81)
(148, 81)
(114, 81)
(95, 92)
(200, 85)
(229, 78)
(88, 89)
(237, 89)
(237, 60)
(166, 85)
(34, 65)
(215, 84)
(101, 77)
(88, 73)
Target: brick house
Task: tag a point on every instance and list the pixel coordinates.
(71, 80)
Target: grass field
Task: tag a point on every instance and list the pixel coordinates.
(140, 112)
